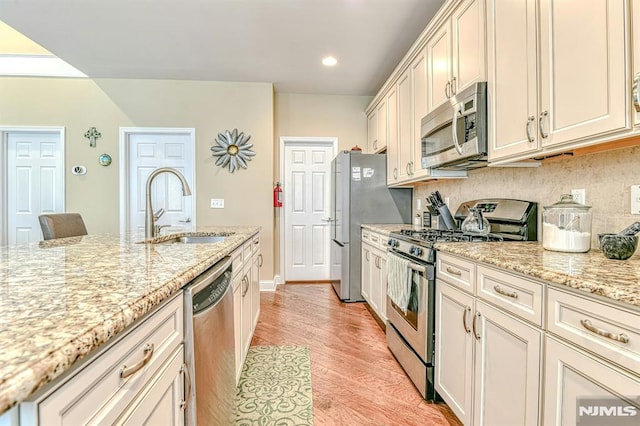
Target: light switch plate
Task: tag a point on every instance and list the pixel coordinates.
(635, 199)
(217, 203)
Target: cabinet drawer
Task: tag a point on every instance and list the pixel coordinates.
(97, 394)
(366, 235)
(607, 330)
(375, 239)
(457, 272)
(517, 295)
(237, 261)
(247, 251)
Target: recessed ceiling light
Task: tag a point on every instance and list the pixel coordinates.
(329, 61)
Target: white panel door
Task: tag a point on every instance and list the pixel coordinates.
(306, 188)
(34, 182)
(147, 152)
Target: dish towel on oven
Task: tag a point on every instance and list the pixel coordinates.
(398, 284)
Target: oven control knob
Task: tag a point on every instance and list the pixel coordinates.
(393, 243)
(416, 251)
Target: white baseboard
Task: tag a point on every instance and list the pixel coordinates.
(268, 285)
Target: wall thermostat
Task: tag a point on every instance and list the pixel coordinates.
(79, 170)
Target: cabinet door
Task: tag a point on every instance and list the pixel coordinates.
(237, 321)
(419, 106)
(382, 125)
(366, 272)
(383, 288)
(468, 45)
(160, 404)
(635, 30)
(255, 291)
(247, 320)
(584, 68)
(439, 63)
(392, 142)
(507, 369)
(512, 77)
(372, 131)
(375, 293)
(454, 350)
(405, 144)
(578, 385)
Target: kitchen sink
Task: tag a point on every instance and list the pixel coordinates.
(195, 239)
(190, 239)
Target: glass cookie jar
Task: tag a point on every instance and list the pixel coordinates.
(566, 226)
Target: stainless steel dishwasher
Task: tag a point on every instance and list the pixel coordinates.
(209, 347)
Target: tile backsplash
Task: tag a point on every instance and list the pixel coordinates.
(606, 177)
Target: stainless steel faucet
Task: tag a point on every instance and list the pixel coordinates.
(149, 222)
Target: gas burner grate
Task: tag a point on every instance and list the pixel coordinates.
(433, 235)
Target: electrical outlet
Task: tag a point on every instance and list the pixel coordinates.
(635, 199)
(579, 196)
(418, 204)
(446, 201)
(217, 203)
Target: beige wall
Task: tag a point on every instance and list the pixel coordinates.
(606, 176)
(318, 116)
(108, 104)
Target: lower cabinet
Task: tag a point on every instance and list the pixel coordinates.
(488, 362)
(246, 298)
(581, 388)
(134, 380)
(374, 273)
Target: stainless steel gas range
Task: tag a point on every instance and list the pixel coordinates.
(411, 331)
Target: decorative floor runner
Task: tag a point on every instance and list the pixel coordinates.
(275, 387)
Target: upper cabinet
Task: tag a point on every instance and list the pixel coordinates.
(377, 128)
(456, 53)
(391, 100)
(557, 75)
(372, 131)
(635, 22)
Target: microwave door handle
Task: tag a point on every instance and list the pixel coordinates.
(454, 131)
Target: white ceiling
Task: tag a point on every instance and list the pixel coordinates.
(279, 41)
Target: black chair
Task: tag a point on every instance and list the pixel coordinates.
(61, 225)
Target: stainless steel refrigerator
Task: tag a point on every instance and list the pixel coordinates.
(359, 195)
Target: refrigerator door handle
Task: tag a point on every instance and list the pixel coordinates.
(337, 242)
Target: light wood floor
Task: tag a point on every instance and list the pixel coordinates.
(355, 379)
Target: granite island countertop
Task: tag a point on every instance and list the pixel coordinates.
(62, 299)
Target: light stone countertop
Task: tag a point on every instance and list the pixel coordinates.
(62, 299)
(591, 272)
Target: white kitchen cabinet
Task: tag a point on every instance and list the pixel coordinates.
(372, 131)
(405, 143)
(418, 71)
(374, 272)
(392, 136)
(456, 53)
(381, 143)
(635, 42)
(161, 403)
(557, 82)
(575, 379)
(101, 391)
(246, 298)
(488, 362)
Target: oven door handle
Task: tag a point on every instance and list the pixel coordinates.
(412, 265)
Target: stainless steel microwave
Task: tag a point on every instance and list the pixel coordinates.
(454, 135)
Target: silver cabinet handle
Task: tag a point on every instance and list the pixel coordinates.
(366, 255)
(467, 310)
(499, 290)
(622, 338)
(543, 116)
(530, 121)
(453, 86)
(147, 355)
(245, 283)
(454, 130)
(453, 271)
(412, 168)
(475, 333)
(635, 94)
(375, 145)
(447, 90)
(407, 169)
(187, 391)
(260, 260)
(395, 173)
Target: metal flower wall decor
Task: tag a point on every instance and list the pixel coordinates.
(233, 149)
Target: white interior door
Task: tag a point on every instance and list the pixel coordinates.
(146, 152)
(35, 182)
(307, 187)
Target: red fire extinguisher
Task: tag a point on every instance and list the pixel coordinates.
(277, 195)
